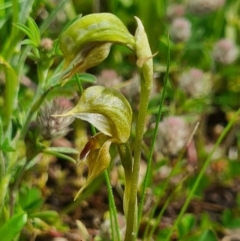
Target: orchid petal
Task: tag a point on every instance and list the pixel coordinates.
(98, 161)
(107, 109)
(89, 33)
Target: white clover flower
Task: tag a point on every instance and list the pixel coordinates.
(53, 127)
(225, 51)
(195, 82)
(201, 7)
(173, 135)
(180, 30)
(175, 11)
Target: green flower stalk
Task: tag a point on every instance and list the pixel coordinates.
(109, 111)
(145, 64)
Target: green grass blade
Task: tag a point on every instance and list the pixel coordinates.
(13, 226)
(35, 31)
(25, 29)
(26, 9)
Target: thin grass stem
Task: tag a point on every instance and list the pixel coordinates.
(131, 231)
(113, 210)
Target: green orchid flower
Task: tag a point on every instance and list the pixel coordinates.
(87, 42)
(109, 111)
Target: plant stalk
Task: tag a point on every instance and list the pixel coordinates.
(3, 189)
(149, 164)
(132, 220)
(145, 63)
(127, 163)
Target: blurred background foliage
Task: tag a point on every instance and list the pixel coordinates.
(204, 86)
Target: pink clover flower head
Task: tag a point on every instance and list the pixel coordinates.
(195, 82)
(202, 7)
(53, 127)
(175, 11)
(173, 135)
(180, 30)
(225, 51)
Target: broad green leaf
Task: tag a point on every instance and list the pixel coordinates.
(6, 146)
(30, 199)
(230, 220)
(186, 225)
(13, 226)
(208, 235)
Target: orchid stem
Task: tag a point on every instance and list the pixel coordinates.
(145, 64)
(132, 220)
(149, 164)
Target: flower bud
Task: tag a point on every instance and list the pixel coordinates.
(46, 44)
(195, 82)
(172, 136)
(180, 30)
(225, 51)
(144, 55)
(53, 127)
(201, 7)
